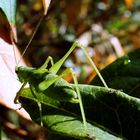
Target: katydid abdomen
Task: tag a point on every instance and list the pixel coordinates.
(38, 77)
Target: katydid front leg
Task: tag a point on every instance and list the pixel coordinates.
(49, 59)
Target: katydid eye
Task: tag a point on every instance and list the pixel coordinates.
(16, 71)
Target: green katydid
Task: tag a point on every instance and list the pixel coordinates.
(41, 79)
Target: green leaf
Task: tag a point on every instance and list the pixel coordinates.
(123, 74)
(109, 113)
(9, 9)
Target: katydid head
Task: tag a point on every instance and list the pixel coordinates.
(23, 73)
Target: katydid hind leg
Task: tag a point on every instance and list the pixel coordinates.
(54, 69)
